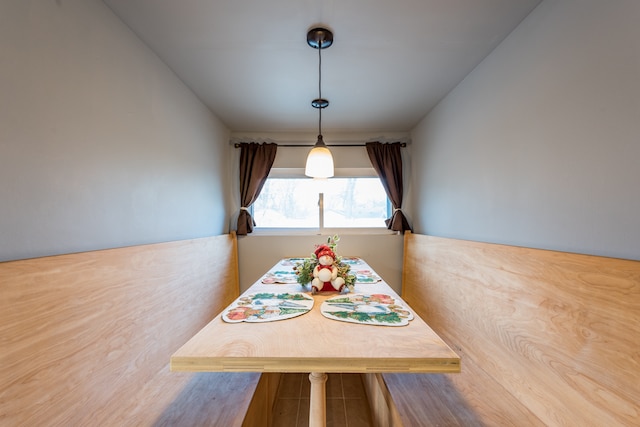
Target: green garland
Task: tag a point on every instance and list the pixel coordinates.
(392, 317)
(304, 269)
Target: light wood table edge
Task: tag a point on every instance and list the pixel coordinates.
(414, 366)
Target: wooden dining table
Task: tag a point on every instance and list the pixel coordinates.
(315, 344)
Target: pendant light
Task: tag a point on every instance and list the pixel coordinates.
(319, 161)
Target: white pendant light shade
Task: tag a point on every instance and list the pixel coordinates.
(319, 162)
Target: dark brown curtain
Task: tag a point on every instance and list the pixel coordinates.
(386, 159)
(255, 163)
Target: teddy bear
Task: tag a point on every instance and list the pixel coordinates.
(325, 274)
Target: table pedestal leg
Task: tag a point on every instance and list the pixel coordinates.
(317, 403)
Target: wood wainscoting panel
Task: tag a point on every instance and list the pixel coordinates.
(81, 334)
(559, 331)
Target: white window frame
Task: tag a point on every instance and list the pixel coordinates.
(321, 230)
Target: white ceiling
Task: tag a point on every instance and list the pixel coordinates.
(391, 61)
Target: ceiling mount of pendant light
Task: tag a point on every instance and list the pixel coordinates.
(319, 161)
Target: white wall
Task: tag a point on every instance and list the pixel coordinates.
(101, 145)
(540, 145)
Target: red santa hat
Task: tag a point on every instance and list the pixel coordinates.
(324, 250)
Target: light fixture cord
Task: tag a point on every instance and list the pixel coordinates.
(320, 121)
(320, 86)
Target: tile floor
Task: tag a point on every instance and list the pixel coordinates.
(347, 404)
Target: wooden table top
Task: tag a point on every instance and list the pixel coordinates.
(314, 343)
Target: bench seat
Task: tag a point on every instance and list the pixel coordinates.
(470, 398)
(544, 337)
(87, 337)
(180, 399)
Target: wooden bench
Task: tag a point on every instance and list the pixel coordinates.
(86, 338)
(545, 338)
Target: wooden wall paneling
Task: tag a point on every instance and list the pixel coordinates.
(558, 331)
(82, 332)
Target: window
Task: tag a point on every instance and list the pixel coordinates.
(344, 202)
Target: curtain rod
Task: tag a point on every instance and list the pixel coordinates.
(238, 144)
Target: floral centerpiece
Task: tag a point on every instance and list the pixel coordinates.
(324, 269)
